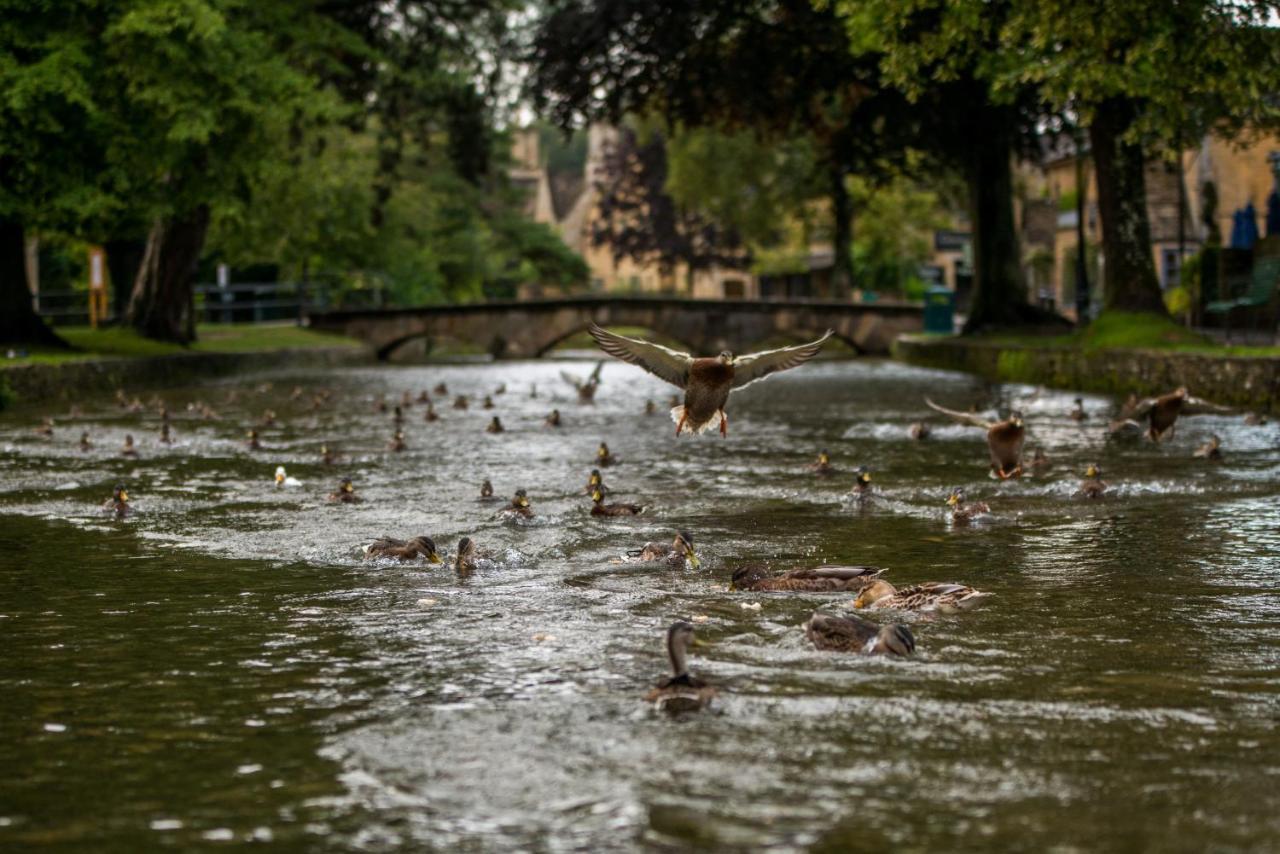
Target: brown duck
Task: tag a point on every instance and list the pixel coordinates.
(1004, 438)
(822, 466)
(1210, 450)
(1162, 413)
(820, 579)
(707, 382)
(854, 634)
(595, 482)
(118, 503)
(586, 389)
(486, 490)
(553, 420)
(678, 553)
(345, 493)
(919, 431)
(930, 596)
(495, 426)
(397, 443)
(1093, 486)
(418, 547)
(599, 508)
(468, 557)
(604, 458)
(961, 512)
(862, 491)
(680, 692)
(128, 449)
(519, 506)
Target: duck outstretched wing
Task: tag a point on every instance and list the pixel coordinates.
(756, 366)
(968, 418)
(664, 363)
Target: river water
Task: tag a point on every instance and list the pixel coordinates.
(222, 666)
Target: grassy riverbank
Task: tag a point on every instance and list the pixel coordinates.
(1117, 354)
(123, 342)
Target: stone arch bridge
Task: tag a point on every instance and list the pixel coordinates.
(532, 327)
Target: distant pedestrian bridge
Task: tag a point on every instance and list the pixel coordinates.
(532, 327)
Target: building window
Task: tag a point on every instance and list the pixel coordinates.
(1170, 269)
(735, 289)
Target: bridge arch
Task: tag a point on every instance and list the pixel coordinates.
(645, 333)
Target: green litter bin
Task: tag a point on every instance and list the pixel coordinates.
(939, 310)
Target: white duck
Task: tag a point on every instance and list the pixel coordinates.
(283, 479)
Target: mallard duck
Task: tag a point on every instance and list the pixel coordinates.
(166, 438)
(819, 579)
(854, 634)
(418, 547)
(430, 414)
(599, 508)
(1077, 412)
(251, 441)
(519, 506)
(1004, 438)
(501, 389)
(650, 407)
(678, 553)
(822, 466)
(495, 426)
(296, 393)
(441, 389)
(707, 382)
(397, 415)
(680, 692)
(128, 450)
(1039, 462)
(862, 490)
(328, 455)
(586, 389)
(468, 556)
(406, 399)
(423, 397)
(1162, 413)
(595, 482)
(85, 443)
(461, 402)
(919, 431)
(45, 428)
(1210, 450)
(1093, 486)
(553, 420)
(930, 596)
(345, 493)
(283, 479)
(604, 459)
(396, 444)
(962, 513)
(487, 403)
(118, 503)
(486, 491)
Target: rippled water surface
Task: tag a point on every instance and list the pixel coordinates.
(223, 667)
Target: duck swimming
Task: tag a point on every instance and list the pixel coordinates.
(118, 503)
(919, 431)
(461, 402)
(1077, 412)
(962, 513)
(345, 493)
(404, 550)
(678, 553)
(822, 466)
(397, 444)
(430, 414)
(166, 438)
(85, 443)
(519, 506)
(1210, 450)
(45, 428)
(820, 579)
(862, 490)
(486, 490)
(251, 441)
(596, 482)
(1004, 438)
(468, 557)
(283, 479)
(328, 455)
(854, 634)
(650, 407)
(930, 596)
(1093, 486)
(128, 450)
(495, 426)
(441, 389)
(680, 692)
(707, 382)
(604, 459)
(488, 403)
(599, 508)
(553, 420)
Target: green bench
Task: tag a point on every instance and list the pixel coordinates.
(1261, 285)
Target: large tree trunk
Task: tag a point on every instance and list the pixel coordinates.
(19, 323)
(1129, 275)
(124, 259)
(842, 237)
(163, 303)
(999, 297)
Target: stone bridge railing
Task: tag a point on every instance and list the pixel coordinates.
(531, 328)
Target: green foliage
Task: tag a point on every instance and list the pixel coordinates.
(123, 342)
(893, 235)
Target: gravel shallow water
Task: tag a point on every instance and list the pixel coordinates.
(223, 667)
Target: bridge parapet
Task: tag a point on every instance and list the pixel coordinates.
(531, 328)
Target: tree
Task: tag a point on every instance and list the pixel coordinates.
(780, 67)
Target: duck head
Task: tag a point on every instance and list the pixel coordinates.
(486, 488)
(863, 477)
(956, 496)
(346, 486)
(120, 493)
(1015, 418)
(1092, 472)
(725, 357)
(874, 592)
(596, 495)
(745, 575)
(679, 637)
(427, 547)
(595, 479)
(603, 451)
(824, 459)
(280, 475)
(521, 499)
(683, 544)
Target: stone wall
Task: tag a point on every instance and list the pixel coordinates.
(1247, 382)
(70, 381)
